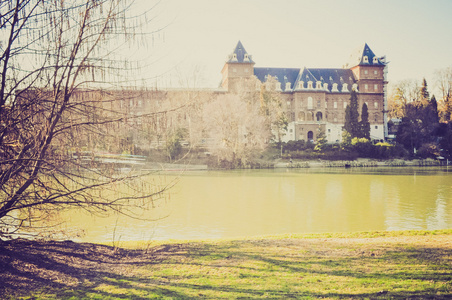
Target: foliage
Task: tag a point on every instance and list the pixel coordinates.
(420, 124)
(433, 114)
(352, 124)
(299, 145)
(332, 155)
(364, 124)
(446, 141)
(428, 150)
(321, 141)
(346, 140)
(424, 93)
(173, 142)
(362, 146)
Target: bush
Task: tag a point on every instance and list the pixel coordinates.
(290, 146)
(327, 155)
(428, 151)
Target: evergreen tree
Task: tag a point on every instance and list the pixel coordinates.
(347, 125)
(364, 124)
(446, 141)
(432, 109)
(408, 134)
(425, 95)
(351, 116)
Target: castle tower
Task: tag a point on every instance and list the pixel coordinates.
(370, 72)
(238, 66)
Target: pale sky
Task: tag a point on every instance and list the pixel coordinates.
(415, 35)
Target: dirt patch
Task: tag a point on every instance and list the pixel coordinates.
(32, 265)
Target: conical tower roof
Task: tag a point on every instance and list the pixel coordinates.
(239, 55)
(364, 56)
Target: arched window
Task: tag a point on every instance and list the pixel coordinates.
(310, 135)
(301, 116)
(318, 116)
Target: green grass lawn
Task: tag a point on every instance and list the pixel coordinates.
(375, 265)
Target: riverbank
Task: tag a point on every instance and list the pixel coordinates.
(401, 265)
(283, 163)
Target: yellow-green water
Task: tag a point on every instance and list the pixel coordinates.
(223, 204)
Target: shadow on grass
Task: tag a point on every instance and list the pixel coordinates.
(282, 269)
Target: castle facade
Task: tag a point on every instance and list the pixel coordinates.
(315, 98)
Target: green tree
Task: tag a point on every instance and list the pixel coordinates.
(346, 140)
(351, 116)
(364, 125)
(432, 116)
(173, 143)
(411, 133)
(446, 141)
(424, 94)
(420, 123)
(321, 141)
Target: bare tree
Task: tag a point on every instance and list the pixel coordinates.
(403, 92)
(236, 128)
(53, 55)
(272, 107)
(444, 83)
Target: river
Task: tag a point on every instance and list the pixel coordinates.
(227, 204)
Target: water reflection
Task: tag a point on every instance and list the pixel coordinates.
(249, 203)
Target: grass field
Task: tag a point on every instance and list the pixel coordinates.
(373, 265)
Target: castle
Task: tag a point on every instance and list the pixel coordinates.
(315, 99)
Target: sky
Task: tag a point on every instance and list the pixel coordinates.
(415, 36)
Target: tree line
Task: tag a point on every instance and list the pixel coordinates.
(425, 128)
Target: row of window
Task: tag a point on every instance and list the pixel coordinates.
(367, 72)
(318, 86)
(366, 59)
(310, 133)
(311, 102)
(131, 103)
(309, 116)
(366, 87)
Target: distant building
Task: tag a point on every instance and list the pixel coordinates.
(315, 99)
